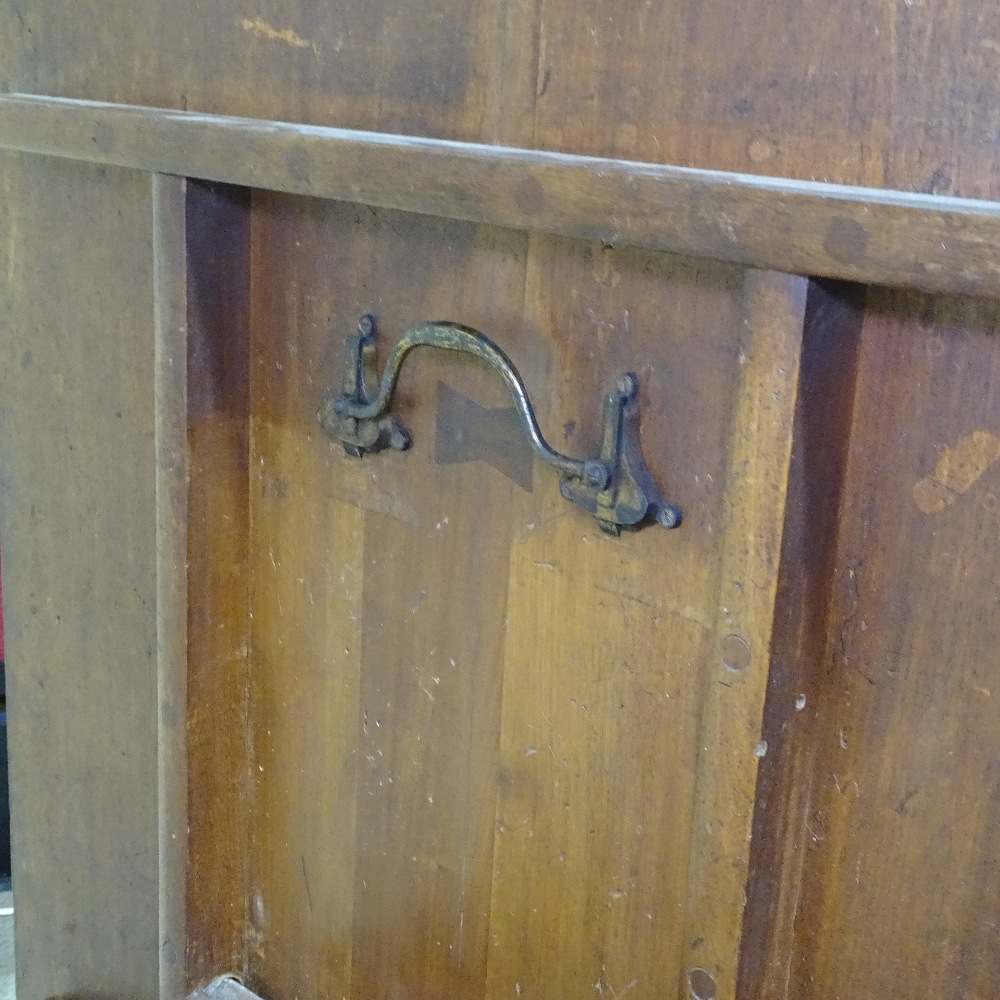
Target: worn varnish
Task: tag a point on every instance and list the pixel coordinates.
(870, 869)
(218, 578)
(904, 769)
(833, 318)
(835, 231)
(903, 96)
(486, 701)
(77, 515)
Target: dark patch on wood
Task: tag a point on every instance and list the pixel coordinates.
(530, 195)
(297, 164)
(442, 80)
(846, 240)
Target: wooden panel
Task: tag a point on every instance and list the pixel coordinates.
(78, 524)
(900, 882)
(730, 742)
(823, 421)
(217, 557)
(901, 95)
(898, 95)
(122, 800)
(170, 351)
(931, 243)
(452, 674)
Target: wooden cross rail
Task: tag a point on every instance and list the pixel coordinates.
(868, 235)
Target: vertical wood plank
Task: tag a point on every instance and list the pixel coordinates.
(200, 285)
(900, 891)
(306, 584)
(434, 611)
(78, 520)
(306, 570)
(607, 639)
(218, 756)
(169, 196)
(735, 678)
(825, 409)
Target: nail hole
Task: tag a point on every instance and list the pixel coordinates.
(735, 653)
(702, 985)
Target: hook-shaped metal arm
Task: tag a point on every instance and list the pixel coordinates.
(615, 487)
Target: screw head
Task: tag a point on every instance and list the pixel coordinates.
(667, 515)
(399, 440)
(596, 474)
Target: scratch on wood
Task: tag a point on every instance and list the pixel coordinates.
(686, 611)
(259, 27)
(957, 470)
(305, 879)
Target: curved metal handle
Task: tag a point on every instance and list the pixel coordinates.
(615, 487)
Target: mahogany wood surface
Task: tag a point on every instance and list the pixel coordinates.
(79, 526)
(170, 432)
(898, 96)
(862, 234)
(465, 709)
(901, 877)
(215, 878)
(861, 494)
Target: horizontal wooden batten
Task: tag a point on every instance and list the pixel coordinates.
(868, 235)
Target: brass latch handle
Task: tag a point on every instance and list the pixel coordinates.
(615, 487)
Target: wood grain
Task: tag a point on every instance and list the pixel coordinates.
(900, 878)
(891, 892)
(217, 249)
(78, 523)
(606, 641)
(823, 420)
(733, 683)
(879, 237)
(170, 352)
(442, 722)
(899, 96)
(400, 835)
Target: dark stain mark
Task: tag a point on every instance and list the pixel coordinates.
(901, 806)
(468, 432)
(545, 82)
(273, 487)
(743, 108)
(530, 196)
(102, 138)
(846, 240)
(439, 71)
(297, 165)
(941, 181)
